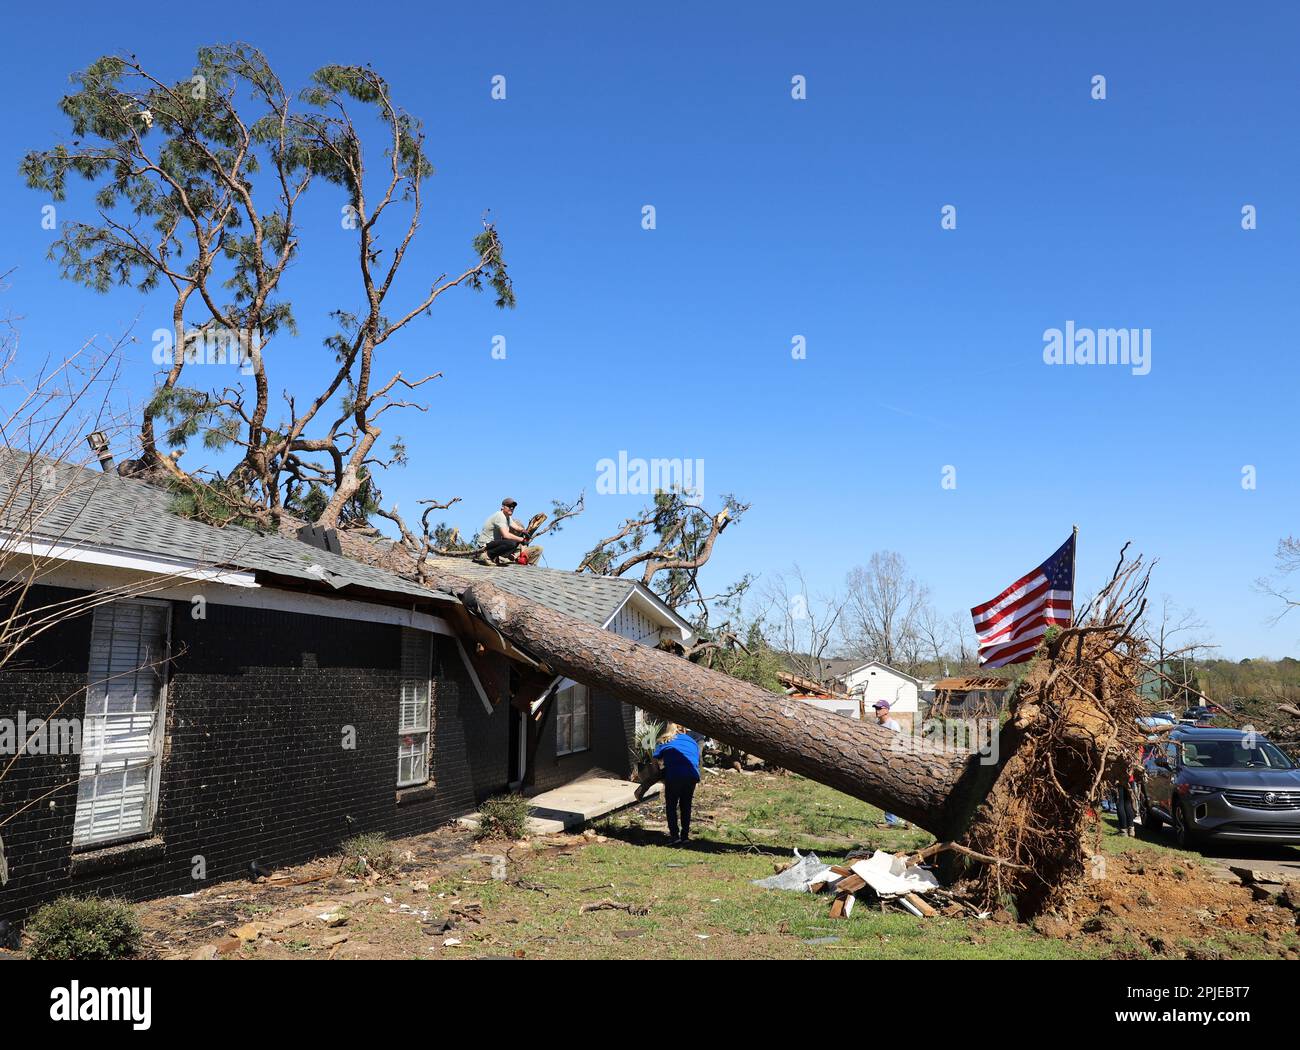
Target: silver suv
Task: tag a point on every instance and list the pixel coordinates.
(1222, 783)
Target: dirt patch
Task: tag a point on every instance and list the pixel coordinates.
(1151, 905)
(316, 909)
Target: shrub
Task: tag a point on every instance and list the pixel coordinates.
(644, 741)
(368, 852)
(505, 816)
(79, 928)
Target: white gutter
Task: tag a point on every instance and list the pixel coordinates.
(115, 558)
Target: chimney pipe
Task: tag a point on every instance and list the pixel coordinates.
(98, 443)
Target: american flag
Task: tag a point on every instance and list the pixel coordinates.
(1009, 627)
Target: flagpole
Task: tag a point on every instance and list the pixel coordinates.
(1074, 575)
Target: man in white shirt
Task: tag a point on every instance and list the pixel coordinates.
(881, 708)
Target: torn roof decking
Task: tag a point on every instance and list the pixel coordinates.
(973, 684)
(83, 508)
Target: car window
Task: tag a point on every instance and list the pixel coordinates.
(1263, 754)
(1232, 754)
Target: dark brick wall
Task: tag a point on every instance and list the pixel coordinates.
(612, 726)
(254, 766)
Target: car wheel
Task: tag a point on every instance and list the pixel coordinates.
(1183, 834)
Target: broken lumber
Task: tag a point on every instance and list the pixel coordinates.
(609, 905)
(919, 905)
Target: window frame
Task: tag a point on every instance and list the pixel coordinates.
(410, 751)
(571, 690)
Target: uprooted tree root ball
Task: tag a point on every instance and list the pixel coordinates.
(1071, 731)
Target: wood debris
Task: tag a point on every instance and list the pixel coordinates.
(610, 905)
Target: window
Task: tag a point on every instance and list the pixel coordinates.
(572, 720)
(413, 716)
(122, 732)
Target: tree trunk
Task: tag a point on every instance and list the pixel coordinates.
(936, 789)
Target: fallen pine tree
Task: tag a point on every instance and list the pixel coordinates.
(1019, 821)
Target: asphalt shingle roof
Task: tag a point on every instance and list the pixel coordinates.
(78, 506)
(591, 598)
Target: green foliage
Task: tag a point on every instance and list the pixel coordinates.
(505, 816)
(757, 663)
(308, 501)
(488, 246)
(1260, 682)
(677, 530)
(447, 537)
(217, 502)
(197, 181)
(84, 928)
(189, 412)
(370, 851)
(644, 741)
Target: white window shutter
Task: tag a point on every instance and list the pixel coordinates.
(123, 725)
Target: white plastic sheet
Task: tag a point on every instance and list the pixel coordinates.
(890, 876)
(799, 876)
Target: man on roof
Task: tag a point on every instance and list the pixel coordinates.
(502, 539)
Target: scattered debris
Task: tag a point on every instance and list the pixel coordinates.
(882, 877)
(496, 860)
(609, 905)
(798, 876)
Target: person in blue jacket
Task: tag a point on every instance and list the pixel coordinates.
(678, 755)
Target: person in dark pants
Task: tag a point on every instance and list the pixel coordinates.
(679, 757)
(1123, 818)
(1124, 806)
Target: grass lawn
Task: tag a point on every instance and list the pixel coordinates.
(700, 899)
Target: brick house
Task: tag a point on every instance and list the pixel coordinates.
(245, 698)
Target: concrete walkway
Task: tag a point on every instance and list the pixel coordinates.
(573, 805)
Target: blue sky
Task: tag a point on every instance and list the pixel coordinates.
(819, 218)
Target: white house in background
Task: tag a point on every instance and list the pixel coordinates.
(874, 681)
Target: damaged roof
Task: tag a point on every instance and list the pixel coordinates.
(594, 599)
(73, 506)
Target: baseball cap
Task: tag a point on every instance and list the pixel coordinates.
(881, 705)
